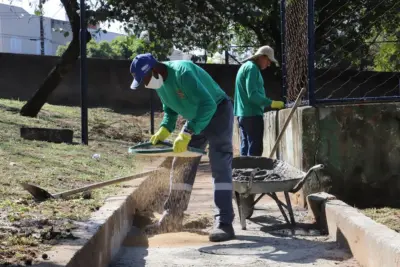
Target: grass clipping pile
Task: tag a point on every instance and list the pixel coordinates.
(151, 195)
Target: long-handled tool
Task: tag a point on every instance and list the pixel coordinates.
(296, 104)
(164, 149)
(41, 194)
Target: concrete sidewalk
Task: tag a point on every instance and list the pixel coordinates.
(262, 244)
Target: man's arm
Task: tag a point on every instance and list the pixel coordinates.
(205, 104)
(252, 88)
(169, 120)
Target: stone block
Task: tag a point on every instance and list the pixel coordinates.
(316, 206)
(47, 135)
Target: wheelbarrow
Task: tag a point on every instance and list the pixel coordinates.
(266, 176)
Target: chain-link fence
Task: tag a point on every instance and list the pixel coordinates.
(342, 51)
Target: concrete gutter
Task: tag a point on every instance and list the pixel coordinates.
(100, 238)
(372, 244)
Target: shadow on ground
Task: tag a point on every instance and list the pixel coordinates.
(264, 219)
(281, 242)
(290, 250)
(135, 238)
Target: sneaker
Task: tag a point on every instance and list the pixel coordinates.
(222, 232)
(169, 222)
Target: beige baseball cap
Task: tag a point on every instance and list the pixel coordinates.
(263, 51)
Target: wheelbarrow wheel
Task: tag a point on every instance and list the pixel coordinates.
(247, 205)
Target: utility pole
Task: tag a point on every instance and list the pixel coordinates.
(41, 28)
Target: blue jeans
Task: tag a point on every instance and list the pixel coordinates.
(218, 134)
(251, 135)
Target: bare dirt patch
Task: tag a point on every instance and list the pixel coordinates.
(194, 232)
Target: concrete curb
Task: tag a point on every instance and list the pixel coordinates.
(99, 238)
(372, 244)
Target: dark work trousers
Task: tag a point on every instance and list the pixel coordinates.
(218, 134)
(251, 135)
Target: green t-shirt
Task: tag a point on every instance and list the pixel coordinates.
(190, 92)
(250, 99)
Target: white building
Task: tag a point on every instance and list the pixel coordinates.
(20, 32)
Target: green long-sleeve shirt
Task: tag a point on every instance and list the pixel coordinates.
(191, 92)
(250, 99)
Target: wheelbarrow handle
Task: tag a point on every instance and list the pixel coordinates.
(303, 180)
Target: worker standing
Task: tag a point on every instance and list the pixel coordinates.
(251, 101)
(186, 89)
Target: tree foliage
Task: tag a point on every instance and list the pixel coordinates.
(387, 57)
(347, 31)
(342, 26)
(124, 47)
(342, 30)
(191, 23)
(65, 64)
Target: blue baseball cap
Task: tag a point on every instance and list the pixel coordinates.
(140, 66)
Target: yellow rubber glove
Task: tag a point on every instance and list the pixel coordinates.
(160, 135)
(277, 104)
(181, 142)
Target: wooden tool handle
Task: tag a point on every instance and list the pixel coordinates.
(102, 184)
(296, 104)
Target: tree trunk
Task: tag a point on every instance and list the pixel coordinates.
(64, 66)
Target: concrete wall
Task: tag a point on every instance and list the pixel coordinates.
(358, 144)
(109, 82)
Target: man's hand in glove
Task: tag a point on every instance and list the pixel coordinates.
(277, 104)
(181, 142)
(160, 135)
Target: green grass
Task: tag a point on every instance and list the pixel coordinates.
(58, 167)
(386, 216)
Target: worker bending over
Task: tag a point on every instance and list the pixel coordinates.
(186, 89)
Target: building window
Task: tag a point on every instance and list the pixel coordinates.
(16, 45)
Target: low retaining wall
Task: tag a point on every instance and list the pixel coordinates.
(358, 144)
(100, 238)
(372, 244)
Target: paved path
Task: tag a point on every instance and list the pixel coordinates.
(257, 246)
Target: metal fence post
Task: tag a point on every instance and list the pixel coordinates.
(283, 47)
(311, 51)
(84, 78)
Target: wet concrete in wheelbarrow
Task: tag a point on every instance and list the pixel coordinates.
(266, 242)
(263, 170)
